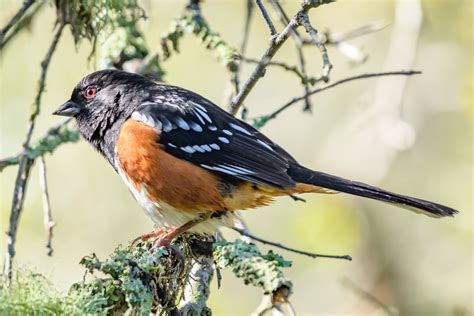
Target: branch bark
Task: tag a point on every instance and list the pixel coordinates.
(25, 162)
(275, 44)
(261, 121)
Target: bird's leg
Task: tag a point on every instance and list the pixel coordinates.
(165, 239)
(153, 234)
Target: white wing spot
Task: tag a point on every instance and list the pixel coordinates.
(264, 144)
(212, 128)
(188, 149)
(198, 148)
(226, 131)
(219, 169)
(215, 146)
(195, 127)
(240, 129)
(204, 115)
(172, 145)
(224, 140)
(206, 148)
(182, 123)
(167, 126)
(198, 105)
(239, 169)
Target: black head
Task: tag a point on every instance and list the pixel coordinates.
(101, 101)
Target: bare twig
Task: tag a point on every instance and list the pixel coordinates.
(299, 49)
(275, 45)
(390, 311)
(26, 5)
(284, 66)
(18, 25)
(260, 121)
(248, 20)
(278, 245)
(233, 86)
(267, 18)
(26, 163)
(303, 19)
(47, 215)
(334, 38)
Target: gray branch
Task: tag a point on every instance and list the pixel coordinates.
(275, 44)
(261, 121)
(25, 162)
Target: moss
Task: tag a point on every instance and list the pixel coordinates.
(137, 281)
(192, 21)
(253, 267)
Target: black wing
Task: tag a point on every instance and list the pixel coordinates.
(193, 128)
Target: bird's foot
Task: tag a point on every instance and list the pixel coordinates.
(153, 234)
(163, 241)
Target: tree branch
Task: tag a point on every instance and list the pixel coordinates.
(267, 18)
(303, 19)
(25, 162)
(275, 44)
(55, 136)
(21, 19)
(278, 245)
(26, 5)
(261, 121)
(47, 217)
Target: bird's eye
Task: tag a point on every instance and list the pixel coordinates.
(89, 92)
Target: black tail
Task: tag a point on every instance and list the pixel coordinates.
(324, 180)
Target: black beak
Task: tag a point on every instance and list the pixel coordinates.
(69, 108)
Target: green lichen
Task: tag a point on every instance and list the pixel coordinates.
(52, 140)
(97, 19)
(192, 21)
(255, 268)
(137, 281)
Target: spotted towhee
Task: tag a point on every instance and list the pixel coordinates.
(189, 163)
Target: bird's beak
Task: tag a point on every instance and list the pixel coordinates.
(69, 108)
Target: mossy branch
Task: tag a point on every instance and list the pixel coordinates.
(192, 21)
(55, 137)
(139, 281)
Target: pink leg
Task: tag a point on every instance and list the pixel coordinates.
(165, 239)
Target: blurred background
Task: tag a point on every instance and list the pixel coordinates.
(411, 135)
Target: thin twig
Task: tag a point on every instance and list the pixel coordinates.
(20, 24)
(267, 18)
(26, 5)
(275, 45)
(278, 245)
(47, 215)
(283, 65)
(335, 38)
(303, 19)
(233, 85)
(390, 311)
(260, 121)
(299, 50)
(26, 163)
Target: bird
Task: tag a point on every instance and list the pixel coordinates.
(190, 164)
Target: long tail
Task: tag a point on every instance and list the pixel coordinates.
(319, 179)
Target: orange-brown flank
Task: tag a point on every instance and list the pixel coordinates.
(166, 178)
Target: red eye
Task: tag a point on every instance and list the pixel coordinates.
(89, 92)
